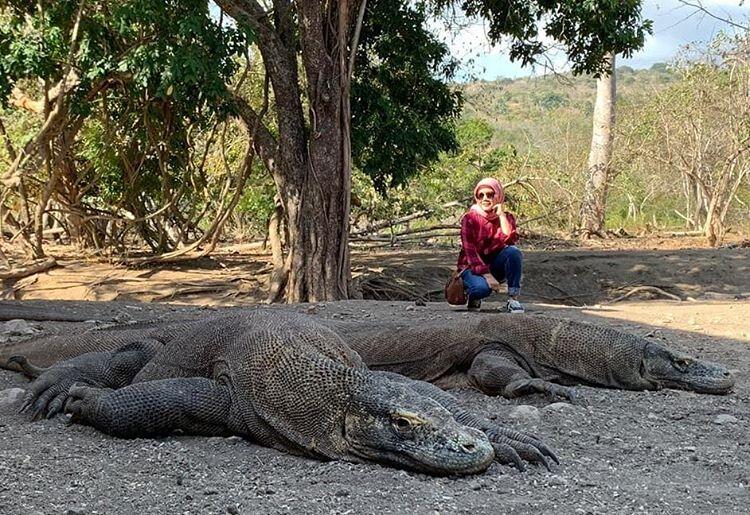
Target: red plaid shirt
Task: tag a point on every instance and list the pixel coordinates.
(481, 239)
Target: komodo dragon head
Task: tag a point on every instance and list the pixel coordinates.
(668, 369)
(392, 423)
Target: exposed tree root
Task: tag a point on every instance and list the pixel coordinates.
(34, 268)
(644, 289)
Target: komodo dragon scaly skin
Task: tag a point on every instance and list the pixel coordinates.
(513, 355)
(497, 354)
(276, 378)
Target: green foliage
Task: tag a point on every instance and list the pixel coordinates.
(403, 114)
(152, 81)
(452, 177)
(97, 149)
(256, 205)
(551, 101)
(150, 75)
(170, 49)
(588, 30)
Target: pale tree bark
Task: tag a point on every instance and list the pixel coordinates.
(310, 159)
(593, 205)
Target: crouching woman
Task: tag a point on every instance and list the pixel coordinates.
(488, 253)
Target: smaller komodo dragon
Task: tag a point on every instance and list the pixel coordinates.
(521, 354)
(276, 378)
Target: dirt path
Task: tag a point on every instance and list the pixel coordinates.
(558, 274)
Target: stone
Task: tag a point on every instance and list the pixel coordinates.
(525, 413)
(18, 327)
(725, 419)
(560, 407)
(11, 396)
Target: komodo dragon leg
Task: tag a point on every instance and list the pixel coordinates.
(47, 394)
(511, 447)
(195, 405)
(495, 372)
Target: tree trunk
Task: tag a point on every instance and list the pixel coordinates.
(310, 160)
(316, 201)
(593, 206)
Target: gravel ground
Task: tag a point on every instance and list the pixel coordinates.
(621, 452)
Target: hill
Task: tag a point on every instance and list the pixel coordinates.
(523, 110)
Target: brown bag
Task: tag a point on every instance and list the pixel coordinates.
(454, 290)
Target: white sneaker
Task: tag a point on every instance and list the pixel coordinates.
(514, 306)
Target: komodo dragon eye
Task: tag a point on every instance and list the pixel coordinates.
(682, 364)
(404, 423)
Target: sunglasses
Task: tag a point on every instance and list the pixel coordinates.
(489, 195)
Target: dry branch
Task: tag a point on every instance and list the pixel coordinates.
(34, 268)
(644, 289)
(374, 227)
(192, 290)
(567, 295)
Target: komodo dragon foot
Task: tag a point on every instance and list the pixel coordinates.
(46, 396)
(523, 387)
(511, 447)
(153, 408)
(48, 392)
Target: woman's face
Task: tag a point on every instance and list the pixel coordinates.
(486, 198)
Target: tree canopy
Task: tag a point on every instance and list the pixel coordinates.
(587, 30)
(403, 110)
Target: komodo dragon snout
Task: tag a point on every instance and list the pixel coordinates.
(395, 424)
(668, 369)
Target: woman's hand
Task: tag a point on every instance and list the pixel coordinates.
(503, 216)
(494, 285)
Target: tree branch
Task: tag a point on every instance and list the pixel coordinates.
(698, 5)
(264, 142)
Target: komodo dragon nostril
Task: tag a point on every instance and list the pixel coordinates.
(468, 447)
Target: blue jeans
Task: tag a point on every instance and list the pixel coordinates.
(506, 265)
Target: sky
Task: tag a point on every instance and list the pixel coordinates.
(674, 25)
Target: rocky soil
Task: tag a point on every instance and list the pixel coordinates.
(621, 452)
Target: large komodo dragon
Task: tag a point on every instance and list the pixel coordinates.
(520, 354)
(277, 378)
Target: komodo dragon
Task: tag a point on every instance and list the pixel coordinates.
(277, 378)
(520, 354)
(497, 354)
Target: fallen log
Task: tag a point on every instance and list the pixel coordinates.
(34, 268)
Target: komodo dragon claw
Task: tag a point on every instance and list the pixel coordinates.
(512, 447)
(509, 451)
(46, 395)
(80, 402)
(528, 386)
